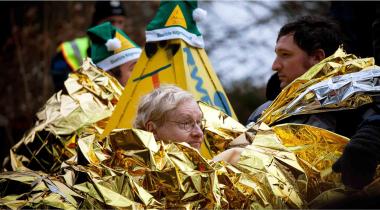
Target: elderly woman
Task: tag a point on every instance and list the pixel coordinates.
(172, 115)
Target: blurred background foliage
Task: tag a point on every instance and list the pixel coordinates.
(32, 30)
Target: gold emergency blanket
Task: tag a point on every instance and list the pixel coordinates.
(36, 190)
(285, 166)
(89, 98)
(220, 131)
(339, 82)
(282, 168)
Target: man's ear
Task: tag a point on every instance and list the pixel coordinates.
(151, 127)
(318, 56)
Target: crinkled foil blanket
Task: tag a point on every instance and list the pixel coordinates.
(339, 82)
(61, 162)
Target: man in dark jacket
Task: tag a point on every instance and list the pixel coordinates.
(302, 44)
(70, 54)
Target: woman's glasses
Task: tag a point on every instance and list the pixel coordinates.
(188, 126)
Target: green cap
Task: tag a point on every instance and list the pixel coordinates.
(111, 47)
(177, 20)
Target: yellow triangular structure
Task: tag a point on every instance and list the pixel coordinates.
(175, 62)
(125, 43)
(176, 18)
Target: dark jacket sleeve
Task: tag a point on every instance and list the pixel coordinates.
(59, 71)
(257, 113)
(361, 155)
(376, 33)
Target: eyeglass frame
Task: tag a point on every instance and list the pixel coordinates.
(182, 125)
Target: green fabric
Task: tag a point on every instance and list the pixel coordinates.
(165, 10)
(108, 59)
(99, 35)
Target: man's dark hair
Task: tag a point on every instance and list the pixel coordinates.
(312, 33)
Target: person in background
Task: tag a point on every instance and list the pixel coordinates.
(113, 51)
(360, 23)
(302, 44)
(273, 87)
(70, 54)
(172, 115)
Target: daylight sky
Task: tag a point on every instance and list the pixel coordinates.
(249, 51)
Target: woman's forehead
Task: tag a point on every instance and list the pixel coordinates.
(187, 108)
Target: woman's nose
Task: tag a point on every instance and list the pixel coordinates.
(197, 131)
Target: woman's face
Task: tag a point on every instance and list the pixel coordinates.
(126, 71)
(182, 124)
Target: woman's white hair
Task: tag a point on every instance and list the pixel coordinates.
(155, 105)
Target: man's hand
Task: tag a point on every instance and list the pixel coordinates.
(231, 155)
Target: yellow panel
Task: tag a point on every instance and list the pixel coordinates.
(176, 18)
(119, 112)
(189, 69)
(125, 43)
(203, 82)
(158, 70)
